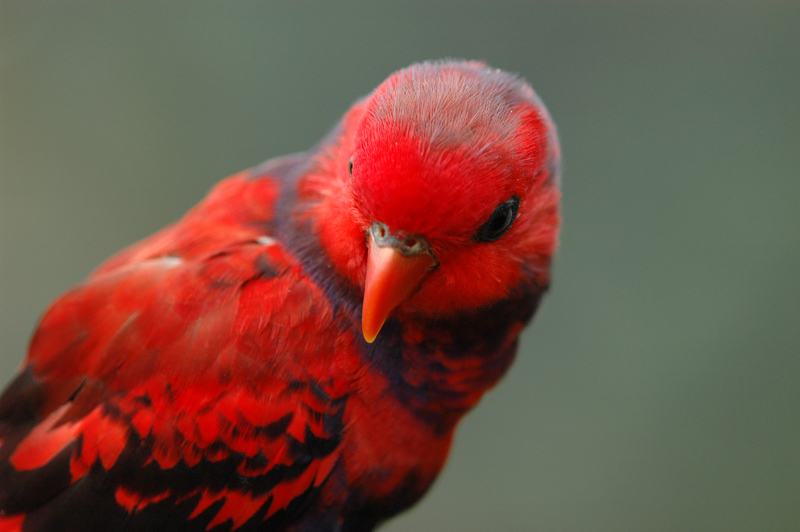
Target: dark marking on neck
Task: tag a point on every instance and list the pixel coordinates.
(447, 356)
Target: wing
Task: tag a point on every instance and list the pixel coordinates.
(184, 386)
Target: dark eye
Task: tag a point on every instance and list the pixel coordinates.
(499, 222)
(350, 167)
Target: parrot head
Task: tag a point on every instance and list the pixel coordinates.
(452, 175)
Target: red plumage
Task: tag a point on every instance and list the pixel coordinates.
(215, 376)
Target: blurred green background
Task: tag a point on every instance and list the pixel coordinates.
(659, 389)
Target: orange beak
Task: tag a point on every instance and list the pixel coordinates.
(391, 278)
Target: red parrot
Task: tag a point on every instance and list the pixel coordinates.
(295, 353)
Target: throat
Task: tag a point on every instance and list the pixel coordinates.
(442, 368)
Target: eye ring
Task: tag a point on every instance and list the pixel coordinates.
(499, 222)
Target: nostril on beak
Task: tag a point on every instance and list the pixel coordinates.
(381, 234)
(408, 246)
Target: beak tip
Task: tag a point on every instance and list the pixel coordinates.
(370, 332)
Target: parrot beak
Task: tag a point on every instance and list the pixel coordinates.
(395, 269)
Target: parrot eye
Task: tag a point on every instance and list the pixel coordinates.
(350, 167)
(499, 222)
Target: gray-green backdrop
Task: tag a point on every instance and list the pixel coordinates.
(659, 389)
